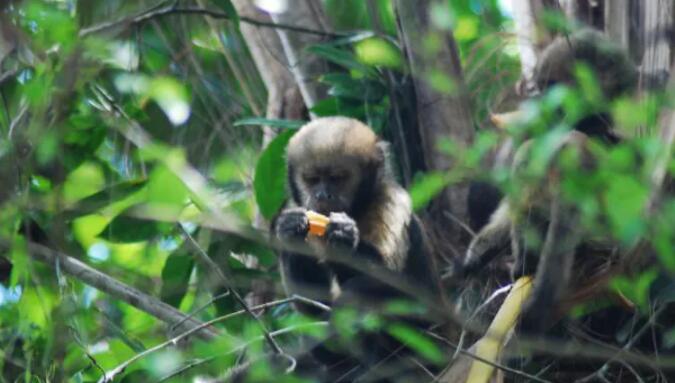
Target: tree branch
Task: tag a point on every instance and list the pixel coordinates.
(173, 10)
(119, 290)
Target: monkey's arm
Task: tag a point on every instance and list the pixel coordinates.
(491, 241)
(554, 269)
(343, 241)
(301, 274)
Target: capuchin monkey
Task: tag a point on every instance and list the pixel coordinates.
(338, 167)
(539, 209)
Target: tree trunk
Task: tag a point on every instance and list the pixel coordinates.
(440, 115)
(306, 69)
(658, 21)
(617, 22)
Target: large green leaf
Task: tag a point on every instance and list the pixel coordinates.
(270, 176)
(175, 276)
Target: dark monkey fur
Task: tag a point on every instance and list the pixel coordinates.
(540, 208)
(338, 167)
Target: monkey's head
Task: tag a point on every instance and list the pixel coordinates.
(615, 72)
(335, 164)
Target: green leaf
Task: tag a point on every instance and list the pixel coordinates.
(227, 7)
(275, 123)
(82, 182)
(165, 189)
(104, 198)
(344, 85)
(270, 176)
(19, 256)
(341, 57)
(377, 51)
(417, 341)
(172, 97)
(175, 277)
(636, 288)
(127, 229)
(426, 188)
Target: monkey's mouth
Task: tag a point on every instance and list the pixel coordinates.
(326, 208)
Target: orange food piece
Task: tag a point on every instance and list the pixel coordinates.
(317, 223)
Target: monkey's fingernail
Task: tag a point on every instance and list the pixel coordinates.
(317, 223)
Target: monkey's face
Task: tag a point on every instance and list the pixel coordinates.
(328, 187)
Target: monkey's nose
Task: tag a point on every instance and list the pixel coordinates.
(323, 195)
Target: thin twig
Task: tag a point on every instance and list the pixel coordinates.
(173, 10)
(199, 309)
(626, 347)
(212, 267)
(109, 376)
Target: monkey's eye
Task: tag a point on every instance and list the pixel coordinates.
(311, 179)
(338, 177)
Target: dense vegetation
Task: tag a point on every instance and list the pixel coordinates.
(132, 141)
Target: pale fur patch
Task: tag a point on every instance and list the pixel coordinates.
(385, 225)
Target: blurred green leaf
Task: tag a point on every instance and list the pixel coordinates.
(19, 257)
(172, 97)
(341, 57)
(175, 276)
(228, 7)
(417, 341)
(425, 188)
(377, 51)
(344, 85)
(125, 228)
(84, 181)
(104, 198)
(636, 289)
(270, 176)
(260, 121)
(165, 189)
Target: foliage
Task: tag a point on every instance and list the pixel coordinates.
(124, 146)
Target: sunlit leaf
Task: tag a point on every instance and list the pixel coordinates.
(377, 51)
(172, 97)
(341, 57)
(104, 198)
(84, 181)
(165, 189)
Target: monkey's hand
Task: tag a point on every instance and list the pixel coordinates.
(292, 224)
(342, 232)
